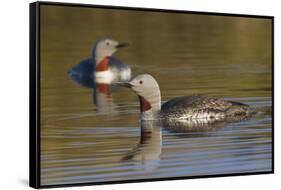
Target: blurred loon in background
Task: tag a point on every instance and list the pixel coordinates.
(102, 67)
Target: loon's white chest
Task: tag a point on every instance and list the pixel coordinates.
(104, 77)
(110, 75)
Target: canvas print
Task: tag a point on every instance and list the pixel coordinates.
(135, 94)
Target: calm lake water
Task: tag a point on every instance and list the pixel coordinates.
(188, 54)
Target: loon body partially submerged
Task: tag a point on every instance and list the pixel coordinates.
(182, 108)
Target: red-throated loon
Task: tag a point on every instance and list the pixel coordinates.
(107, 72)
(181, 108)
(102, 67)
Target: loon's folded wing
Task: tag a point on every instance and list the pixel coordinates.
(201, 106)
(195, 103)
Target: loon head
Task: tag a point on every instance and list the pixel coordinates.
(106, 47)
(148, 91)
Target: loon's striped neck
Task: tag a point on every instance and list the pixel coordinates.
(144, 104)
(150, 109)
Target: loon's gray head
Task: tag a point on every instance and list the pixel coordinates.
(106, 47)
(148, 91)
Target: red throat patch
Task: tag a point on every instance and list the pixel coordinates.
(103, 64)
(144, 104)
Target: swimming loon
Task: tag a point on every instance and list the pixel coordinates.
(106, 71)
(181, 108)
(102, 67)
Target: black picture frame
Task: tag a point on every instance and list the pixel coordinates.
(34, 97)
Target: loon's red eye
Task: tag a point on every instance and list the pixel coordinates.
(140, 82)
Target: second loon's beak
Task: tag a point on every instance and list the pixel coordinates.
(124, 84)
(121, 45)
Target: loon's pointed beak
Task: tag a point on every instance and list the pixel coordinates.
(121, 45)
(124, 84)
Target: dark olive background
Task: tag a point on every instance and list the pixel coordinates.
(188, 54)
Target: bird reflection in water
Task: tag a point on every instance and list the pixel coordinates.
(193, 128)
(148, 150)
(198, 127)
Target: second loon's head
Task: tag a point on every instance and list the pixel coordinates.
(106, 47)
(148, 91)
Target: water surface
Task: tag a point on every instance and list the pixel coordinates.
(188, 54)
